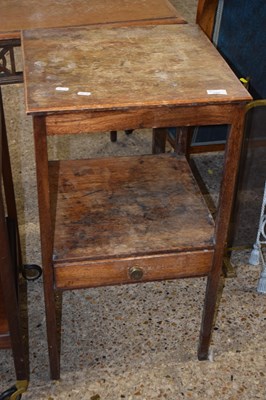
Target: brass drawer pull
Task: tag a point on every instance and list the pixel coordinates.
(136, 273)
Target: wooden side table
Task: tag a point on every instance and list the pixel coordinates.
(123, 220)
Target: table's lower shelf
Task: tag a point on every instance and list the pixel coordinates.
(125, 219)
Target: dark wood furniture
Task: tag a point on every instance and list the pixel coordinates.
(123, 220)
(11, 333)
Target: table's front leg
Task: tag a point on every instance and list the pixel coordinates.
(41, 155)
(226, 198)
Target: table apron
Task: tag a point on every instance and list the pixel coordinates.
(157, 117)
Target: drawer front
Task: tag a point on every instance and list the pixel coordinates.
(132, 270)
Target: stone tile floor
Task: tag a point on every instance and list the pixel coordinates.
(138, 341)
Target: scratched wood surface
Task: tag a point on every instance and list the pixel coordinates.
(33, 14)
(124, 67)
(124, 206)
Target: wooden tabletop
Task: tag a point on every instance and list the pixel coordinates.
(32, 14)
(113, 68)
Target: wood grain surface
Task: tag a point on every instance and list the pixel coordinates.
(124, 206)
(124, 67)
(17, 15)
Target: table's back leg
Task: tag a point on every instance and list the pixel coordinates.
(159, 136)
(46, 244)
(226, 198)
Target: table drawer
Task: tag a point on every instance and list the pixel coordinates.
(129, 270)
